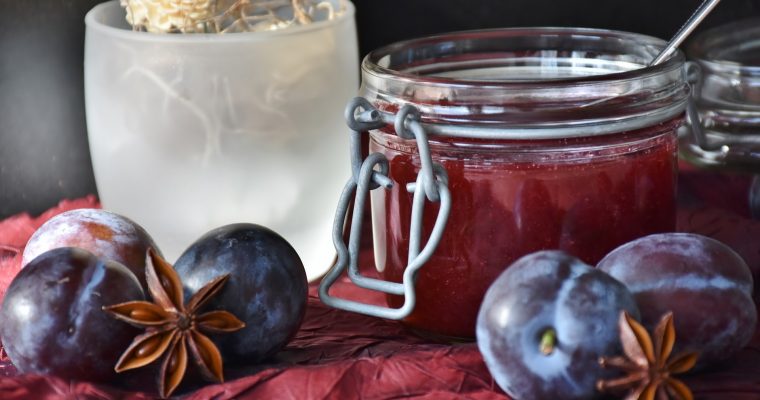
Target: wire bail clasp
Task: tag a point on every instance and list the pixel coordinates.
(372, 174)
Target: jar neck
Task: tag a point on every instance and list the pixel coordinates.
(529, 82)
(547, 150)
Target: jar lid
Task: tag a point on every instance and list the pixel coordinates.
(529, 83)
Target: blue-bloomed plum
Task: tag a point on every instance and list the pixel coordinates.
(706, 285)
(107, 235)
(267, 289)
(546, 321)
(52, 317)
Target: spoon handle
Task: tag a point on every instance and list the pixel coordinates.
(685, 30)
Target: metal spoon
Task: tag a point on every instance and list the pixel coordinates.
(685, 30)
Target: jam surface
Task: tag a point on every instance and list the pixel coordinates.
(585, 196)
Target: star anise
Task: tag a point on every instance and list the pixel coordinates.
(649, 372)
(172, 327)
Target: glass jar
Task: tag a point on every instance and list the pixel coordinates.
(727, 93)
(552, 138)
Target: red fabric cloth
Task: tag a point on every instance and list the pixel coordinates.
(339, 355)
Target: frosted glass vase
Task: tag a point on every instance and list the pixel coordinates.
(189, 132)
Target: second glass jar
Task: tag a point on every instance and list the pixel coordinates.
(552, 138)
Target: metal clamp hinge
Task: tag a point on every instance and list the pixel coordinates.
(372, 174)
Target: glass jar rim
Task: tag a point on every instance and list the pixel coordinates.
(720, 48)
(529, 83)
(372, 62)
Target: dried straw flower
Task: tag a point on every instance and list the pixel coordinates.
(167, 15)
(225, 16)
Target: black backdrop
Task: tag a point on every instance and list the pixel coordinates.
(43, 141)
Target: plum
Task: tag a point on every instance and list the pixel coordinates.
(267, 289)
(546, 321)
(107, 235)
(706, 285)
(52, 317)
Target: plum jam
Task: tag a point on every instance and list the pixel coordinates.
(570, 198)
(552, 138)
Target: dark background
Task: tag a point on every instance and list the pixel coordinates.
(44, 155)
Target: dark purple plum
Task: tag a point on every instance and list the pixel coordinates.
(267, 288)
(546, 321)
(52, 317)
(706, 285)
(107, 235)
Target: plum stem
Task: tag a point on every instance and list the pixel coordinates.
(548, 341)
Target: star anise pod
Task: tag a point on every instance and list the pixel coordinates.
(648, 366)
(171, 327)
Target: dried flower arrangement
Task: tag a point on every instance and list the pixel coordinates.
(226, 16)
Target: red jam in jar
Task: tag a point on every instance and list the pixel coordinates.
(551, 139)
